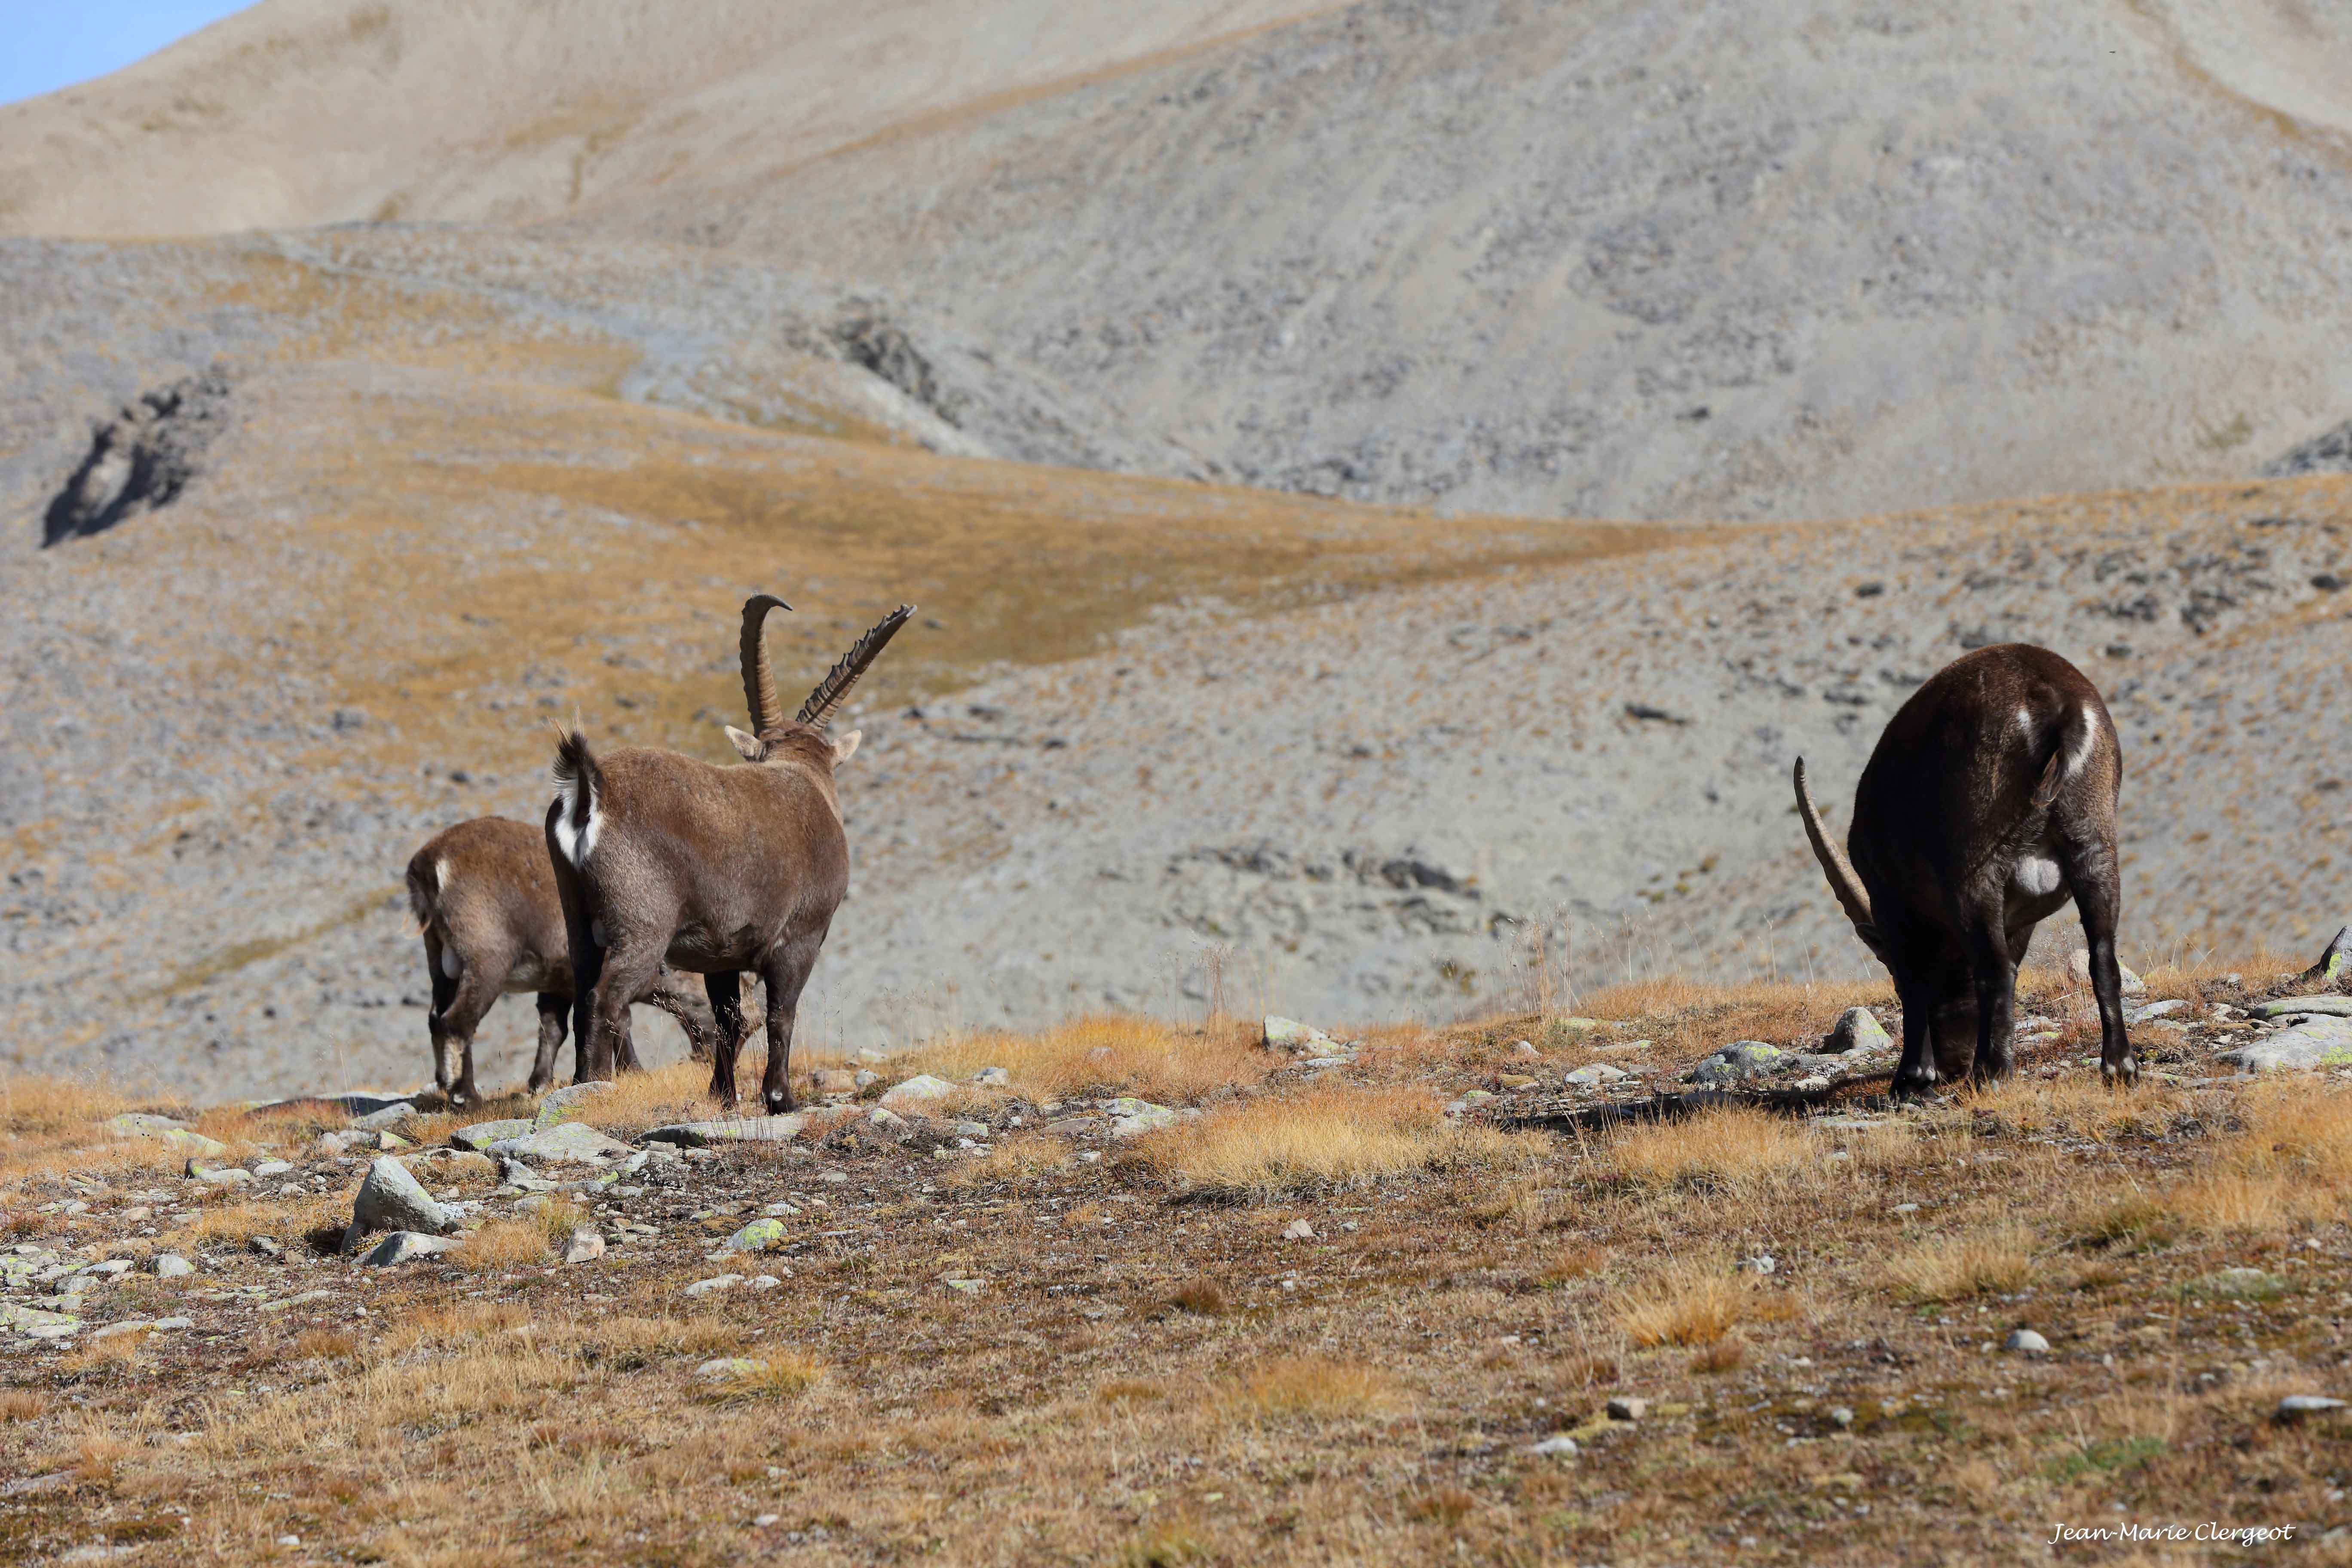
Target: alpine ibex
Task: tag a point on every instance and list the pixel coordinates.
(661, 857)
(1990, 801)
(484, 894)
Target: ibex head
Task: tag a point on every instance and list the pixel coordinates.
(772, 734)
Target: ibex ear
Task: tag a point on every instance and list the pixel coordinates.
(748, 745)
(847, 747)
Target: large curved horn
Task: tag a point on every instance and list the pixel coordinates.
(1837, 868)
(759, 680)
(843, 676)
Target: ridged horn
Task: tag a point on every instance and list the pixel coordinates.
(760, 680)
(1837, 868)
(843, 676)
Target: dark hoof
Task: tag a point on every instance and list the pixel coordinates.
(779, 1104)
(2122, 1074)
(1916, 1085)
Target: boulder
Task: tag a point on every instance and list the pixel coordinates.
(1291, 1035)
(391, 1116)
(391, 1199)
(176, 1136)
(171, 1266)
(482, 1134)
(1857, 1029)
(562, 1143)
(1298, 1230)
(268, 1168)
(2319, 1042)
(916, 1092)
(1131, 1117)
(744, 1129)
(2327, 1007)
(405, 1246)
(865, 1079)
(1596, 1075)
(2335, 966)
(219, 1176)
(570, 1104)
(587, 1244)
(2080, 964)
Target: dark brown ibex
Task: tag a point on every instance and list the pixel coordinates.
(1990, 801)
(484, 894)
(661, 857)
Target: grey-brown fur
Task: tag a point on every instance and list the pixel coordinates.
(660, 858)
(484, 896)
(1990, 801)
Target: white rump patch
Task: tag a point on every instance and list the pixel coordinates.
(450, 963)
(576, 844)
(2036, 876)
(2084, 737)
(441, 875)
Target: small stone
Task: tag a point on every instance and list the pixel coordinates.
(914, 1093)
(176, 1136)
(764, 1282)
(1762, 1263)
(1905, 1208)
(871, 1057)
(833, 1080)
(390, 1116)
(572, 1103)
(391, 1199)
(405, 1246)
(1857, 1029)
(2025, 1342)
(220, 1175)
(969, 1129)
(729, 1368)
(385, 1142)
(1514, 1080)
(1740, 1062)
(112, 1267)
(762, 1522)
(966, 1287)
(757, 1237)
(171, 1266)
(717, 1283)
(1596, 1075)
(268, 1168)
(124, 1326)
(889, 1120)
(2295, 1407)
(482, 1134)
(1525, 1049)
(164, 1325)
(992, 1078)
(265, 1245)
(1291, 1035)
(586, 1245)
(1625, 1408)
(1562, 1446)
(866, 1081)
(1841, 1416)
(1298, 1230)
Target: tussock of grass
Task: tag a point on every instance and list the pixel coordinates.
(22, 1404)
(2300, 1130)
(1734, 1147)
(2233, 1202)
(503, 1244)
(1324, 1133)
(288, 1220)
(1951, 1267)
(30, 1103)
(774, 1373)
(1023, 1157)
(1689, 1017)
(1691, 1304)
(1308, 1386)
(557, 1219)
(1159, 1061)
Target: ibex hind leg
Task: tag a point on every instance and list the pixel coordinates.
(477, 990)
(786, 974)
(554, 1008)
(436, 1023)
(1992, 973)
(2090, 872)
(626, 970)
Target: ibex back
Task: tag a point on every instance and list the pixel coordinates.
(1990, 801)
(720, 870)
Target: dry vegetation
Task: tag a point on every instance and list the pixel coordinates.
(1141, 1360)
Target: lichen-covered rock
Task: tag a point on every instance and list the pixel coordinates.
(757, 1237)
(482, 1134)
(1595, 1075)
(1291, 1035)
(916, 1092)
(1857, 1029)
(2320, 1006)
(1131, 1117)
(570, 1104)
(743, 1130)
(405, 1246)
(2319, 1042)
(2335, 966)
(563, 1144)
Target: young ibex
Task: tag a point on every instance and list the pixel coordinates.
(484, 894)
(1990, 801)
(721, 870)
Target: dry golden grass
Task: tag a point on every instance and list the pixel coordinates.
(1738, 1148)
(286, 1220)
(1159, 1061)
(30, 1103)
(2233, 1202)
(1324, 1133)
(2079, 1105)
(1690, 1304)
(1976, 1263)
(1308, 1386)
(1575, 1263)
(1688, 1017)
(2299, 1129)
(774, 1373)
(502, 1244)
(557, 1219)
(22, 1404)
(1025, 1157)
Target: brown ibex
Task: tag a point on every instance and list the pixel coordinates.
(662, 857)
(484, 894)
(1990, 801)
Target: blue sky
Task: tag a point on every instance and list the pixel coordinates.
(48, 44)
